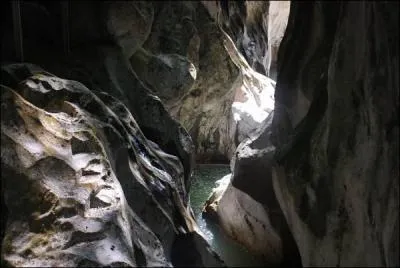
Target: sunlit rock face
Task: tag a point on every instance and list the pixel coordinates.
(257, 28)
(83, 185)
(210, 207)
(100, 44)
(253, 101)
(336, 130)
(176, 51)
(278, 14)
(245, 205)
(184, 61)
(180, 56)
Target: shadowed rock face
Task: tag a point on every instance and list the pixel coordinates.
(82, 183)
(329, 160)
(336, 130)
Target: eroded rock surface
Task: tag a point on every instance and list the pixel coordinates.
(210, 207)
(99, 58)
(257, 28)
(82, 183)
(328, 163)
(247, 209)
(336, 129)
(184, 61)
(253, 100)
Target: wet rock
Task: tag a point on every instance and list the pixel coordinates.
(247, 208)
(243, 219)
(247, 222)
(82, 183)
(210, 208)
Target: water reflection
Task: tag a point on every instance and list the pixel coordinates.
(231, 252)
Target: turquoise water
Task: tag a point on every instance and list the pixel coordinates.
(230, 251)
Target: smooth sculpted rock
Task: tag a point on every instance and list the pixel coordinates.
(101, 42)
(185, 62)
(253, 101)
(177, 53)
(210, 207)
(328, 166)
(82, 183)
(336, 129)
(129, 23)
(278, 14)
(257, 28)
(245, 205)
(169, 76)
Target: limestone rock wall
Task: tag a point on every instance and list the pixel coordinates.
(327, 165)
(185, 62)
(140, 212)
(83, 185)
(336, 129)
(247, 208)
(257, 27)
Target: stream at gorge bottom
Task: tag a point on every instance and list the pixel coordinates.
(233, 254)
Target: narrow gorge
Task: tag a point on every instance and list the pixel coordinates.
(199, 134)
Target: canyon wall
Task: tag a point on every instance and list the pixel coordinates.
(103, 178)
(183, 60)
(336, 129)
(175, 49)
(138, 62)
(327, 162)
(94, 169)
(83, 185)
(257, 27)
